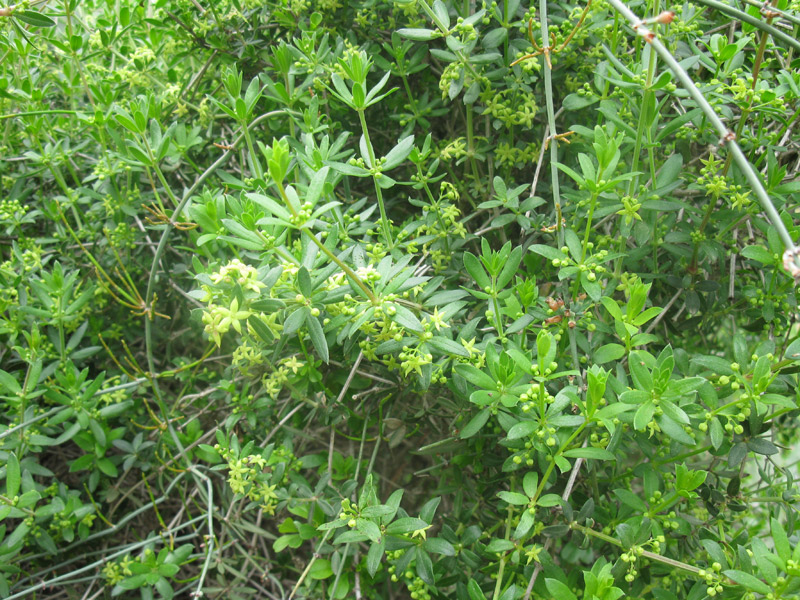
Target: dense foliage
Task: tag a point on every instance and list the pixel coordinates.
(362, 299)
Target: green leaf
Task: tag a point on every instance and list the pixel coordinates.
(31, 497)
(32, 17)
(405, 318)
(718, 365)
(762, 446)
(644, 414)
(716, 433)
(530, 482)
(295, 320)
(547, 251)
(448, 347)
(526, 522)
(674, 430)
(576, 102)
(316, 186)
(399, 153)
(377, 511)
(475, 269)
(592, 288)
(332, 525)
(132, 583)
(261, 329)
(374, 557)
(608, 353)
(138, 153)
(107, 467)
(747, 581)
(612, 307)
(114, 410)
(321, 569)
(474, 591)
(425, 567)
(593, 453)
(688, 480)
(9, 383)
(639, 372)
(522, 429)
(559, 590)
(163, 586)
(304, 282)
(628, 498)
(514, 498)
(511, 593)
(405, 525)
(646, 315)
(475, 424)
(271, 206)
(12, 475)
(428, 509)
(759, 253)
(393, 502)
(476, 377)
(318, 337)
(418, 35)
(499, 545)
(439, 546)
(510, 268)
(674, 412)
(780, 539)
(168, 569)
(572, 174)
(369, 529)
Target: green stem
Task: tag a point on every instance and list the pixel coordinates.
(34, 113)
(471, 147)
(646, 554)
(255, 163)
(387, 233)
(310, 564)
(751, 20)
(551, 123)
(647, 99)
(498, 588)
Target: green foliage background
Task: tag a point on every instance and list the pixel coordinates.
(329, 299)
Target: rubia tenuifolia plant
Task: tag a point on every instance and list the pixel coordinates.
(403, 357)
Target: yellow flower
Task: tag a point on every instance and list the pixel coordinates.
(423, 533)
(533, 553)
(293, 364)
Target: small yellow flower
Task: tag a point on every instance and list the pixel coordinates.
(437, 320)
(293, 364)
(422, 533)
(533, 554)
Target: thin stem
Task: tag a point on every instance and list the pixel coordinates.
(256, 164)
(306, 571)
(747, 18)
(551, 123)
(471, 147)
(387, 232)
(646, 554)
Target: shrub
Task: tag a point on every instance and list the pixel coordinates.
(292, 307)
